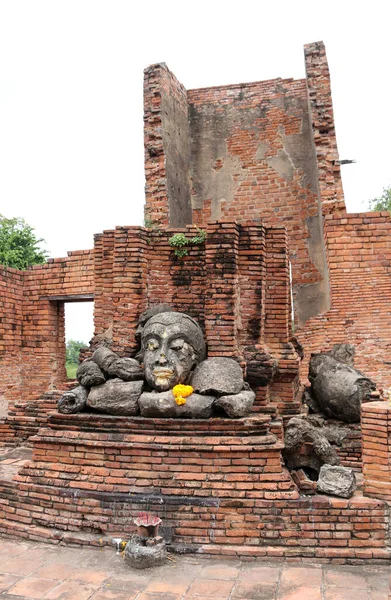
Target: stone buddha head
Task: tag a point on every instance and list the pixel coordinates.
(172, 343)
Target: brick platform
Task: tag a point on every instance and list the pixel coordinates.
(218, 485)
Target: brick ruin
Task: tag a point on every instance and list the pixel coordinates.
(256, 165)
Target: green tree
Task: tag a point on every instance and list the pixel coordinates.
(72, 351)
(72, 357)
(19, 246)
(383, 203)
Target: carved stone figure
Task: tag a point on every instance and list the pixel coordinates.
(172, 344)
(173, 353)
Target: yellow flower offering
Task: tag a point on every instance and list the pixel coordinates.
(180, 393)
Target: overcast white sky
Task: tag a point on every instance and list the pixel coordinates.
(71, 77)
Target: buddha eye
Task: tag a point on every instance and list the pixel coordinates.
(177, 345)
(152, 345)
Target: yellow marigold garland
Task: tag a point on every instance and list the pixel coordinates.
(180, 392)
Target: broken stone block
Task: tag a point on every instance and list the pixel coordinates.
(237, 405)
(336, 481)
(89, 374)
(127, 369)
(338, 388)
(218, 375)
(73, 401)
(306, 445)
(116, 397)
(104, 357)
(162, 404)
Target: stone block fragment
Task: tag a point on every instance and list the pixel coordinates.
(116, 397)
(237, 405)
(218, 375)
(89, 374)
(127, 369)
(336, 481)
(155, 404)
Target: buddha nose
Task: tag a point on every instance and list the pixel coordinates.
(162, 359)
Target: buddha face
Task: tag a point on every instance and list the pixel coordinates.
(168, 352)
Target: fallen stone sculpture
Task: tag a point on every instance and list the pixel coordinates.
(337, 388)
(73, 401)
(176, 381)
(237, 405)
(306, 445)
(89, 374)
(116, 397)
(163, 405)
(218, 375)
(336, 481)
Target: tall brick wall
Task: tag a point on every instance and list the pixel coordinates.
(323, 128)
(248, 152)
(166, 134)
(359, 251)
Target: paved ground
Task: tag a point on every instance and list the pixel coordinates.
(34, 571)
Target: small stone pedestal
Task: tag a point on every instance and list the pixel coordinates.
(145, 552)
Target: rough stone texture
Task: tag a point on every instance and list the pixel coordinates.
(155, 404)
(306, 445)
(336, 481)
(89, 374)
(343, 353)
(338, 388)
(104, 357)
(116, 397)
(237, 405)
(147, 314)
(218, 375)
(73, 401)
(127, 369)
(139, 556)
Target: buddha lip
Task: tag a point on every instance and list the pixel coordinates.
(163, 372)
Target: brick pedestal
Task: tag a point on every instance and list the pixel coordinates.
(376, 449)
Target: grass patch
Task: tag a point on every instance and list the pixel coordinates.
(71, 370)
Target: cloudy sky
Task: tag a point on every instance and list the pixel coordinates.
(71, 75)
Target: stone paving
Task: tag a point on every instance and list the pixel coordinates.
(41, 571)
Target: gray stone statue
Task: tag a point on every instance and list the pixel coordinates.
(172, 344)
(175, 380)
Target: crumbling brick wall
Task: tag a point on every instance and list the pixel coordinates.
(235, 283)
(32, 336)
(359, 251)
(256, 151)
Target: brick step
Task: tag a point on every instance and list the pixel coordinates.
(97, 423)
(297, 554)
(50, 535)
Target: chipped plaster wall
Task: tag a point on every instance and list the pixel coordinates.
(252, 156)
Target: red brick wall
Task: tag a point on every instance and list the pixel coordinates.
(11, 316)
(32, 337)
(254, 151)
(359, 251)
(323, 127)
(376, 445)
